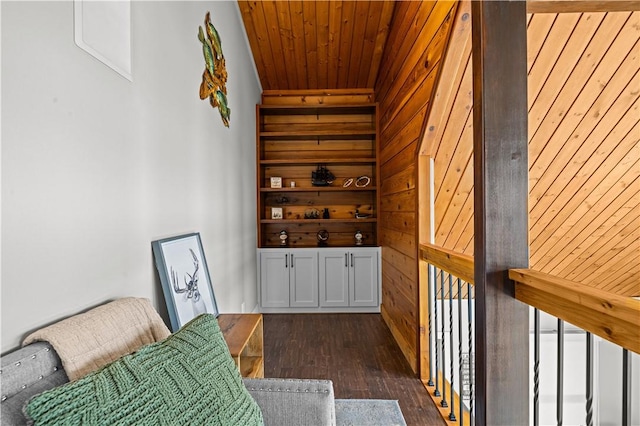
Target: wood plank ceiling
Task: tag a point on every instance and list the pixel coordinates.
(584, 150)
(317, 44)
(584, 123)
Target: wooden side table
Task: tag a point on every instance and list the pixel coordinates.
(243, 334)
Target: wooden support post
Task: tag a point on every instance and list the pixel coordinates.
(499, 43)
(426, 232)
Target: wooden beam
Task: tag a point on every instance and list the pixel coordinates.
(581, 6)
(612, 317)
(423, 206)
(499, 49)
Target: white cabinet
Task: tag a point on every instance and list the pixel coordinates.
(349, 277)
(323, 279)
(334, 277)
(363, 273)
(275, 278)
(289, 278)
(303, 279)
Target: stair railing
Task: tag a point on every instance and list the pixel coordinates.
(594, 314)
(451, 377)
(582, 309)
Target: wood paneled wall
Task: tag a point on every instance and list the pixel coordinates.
(409, 70)
(584, 144)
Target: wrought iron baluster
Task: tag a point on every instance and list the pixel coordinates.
(431, 278)
(626, 387)
(536, 367)
(472, 373)
(461, 386)
(435, 311)
(560, 389)
(452, 416)
(589, 389)
(443, 402)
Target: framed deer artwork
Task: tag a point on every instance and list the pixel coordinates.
(184, 276)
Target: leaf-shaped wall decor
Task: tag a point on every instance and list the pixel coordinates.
(214, 77)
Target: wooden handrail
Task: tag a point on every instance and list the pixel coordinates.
(609, 316)
(460, 265)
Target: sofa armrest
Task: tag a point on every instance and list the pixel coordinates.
(294, 402)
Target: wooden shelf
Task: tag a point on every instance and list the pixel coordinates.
(321, 134)
(316, 246)
(317, 109)
(244, 336)
(292, 138)
(295, 162)
(328, 221)
(319, 189)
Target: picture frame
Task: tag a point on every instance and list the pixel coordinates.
(276, 182)
(185, 279)
(276, 213)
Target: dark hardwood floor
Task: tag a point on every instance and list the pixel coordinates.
(356, 351)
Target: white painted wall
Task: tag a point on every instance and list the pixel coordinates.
(95, 167)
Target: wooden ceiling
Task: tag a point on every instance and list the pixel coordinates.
(317, 44)
(584, 120)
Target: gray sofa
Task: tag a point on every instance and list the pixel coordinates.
(36, 368)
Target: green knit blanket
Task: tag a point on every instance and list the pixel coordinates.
(187, 379)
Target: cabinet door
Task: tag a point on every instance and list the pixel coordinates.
(363, 276)
(334, 278)
(274, 278)
(303, 275)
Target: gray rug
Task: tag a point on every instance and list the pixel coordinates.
(368, 412)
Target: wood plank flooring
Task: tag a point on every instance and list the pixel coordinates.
(356, 351)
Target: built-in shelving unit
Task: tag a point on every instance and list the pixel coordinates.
(296, 134)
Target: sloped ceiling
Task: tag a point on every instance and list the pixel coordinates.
(584, 149)
(584, 121)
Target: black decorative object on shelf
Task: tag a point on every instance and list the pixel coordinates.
(311, 214)
(323, 236)
(325, 213)
(322, 176)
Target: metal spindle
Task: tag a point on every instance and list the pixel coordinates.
(560, 389)
(460, 350)
(435, 311)
(536, 367)
(443, 402)
(470, 338)
(431, 277)
(452, 416)
(589, 389)
(626, 387)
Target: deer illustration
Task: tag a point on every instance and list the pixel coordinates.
(191, 287)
